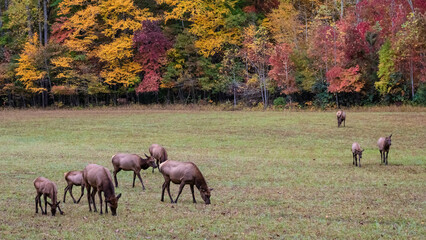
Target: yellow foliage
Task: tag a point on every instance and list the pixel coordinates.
(27, 70)
(208, 19)
(283, 23)
(125, 74)
(64, 62)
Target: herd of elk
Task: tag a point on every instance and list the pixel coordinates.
(383, 144)
(98, 179)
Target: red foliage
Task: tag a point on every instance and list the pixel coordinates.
(249, 9)
(151, 46)
(59, 34)
(282, 68)
(344, 80)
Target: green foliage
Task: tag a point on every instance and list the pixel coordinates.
(280, 102)
(420, 97)
(386, 68)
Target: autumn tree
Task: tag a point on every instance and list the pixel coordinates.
(209, 22)
(283, 69)
(151, 46)
(256, 52)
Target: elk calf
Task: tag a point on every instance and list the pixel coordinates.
(341, 117)
(356, 150)
(74, 178)
(159, 153)
(99, 178)
(48, 189)
(131, 162)
(384, 144)
(184, 173)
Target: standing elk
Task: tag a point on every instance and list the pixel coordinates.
(184, 173)
(100, 179)
(384, 144)
(131, 162)
(74, 178)
(356, 150)
(159, 153)
(341, 117)
(48, 189)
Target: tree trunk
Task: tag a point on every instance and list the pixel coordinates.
(337, 100)
(29, 20)
(45, 22)
(341, 9)
(40, 29)
(412, 78)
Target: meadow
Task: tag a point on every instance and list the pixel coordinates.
(275, 174)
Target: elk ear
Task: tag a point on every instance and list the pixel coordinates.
(49, 203)
(390, 136)
(146, 155)
(118, 196)
(57, 203)
(211, 189)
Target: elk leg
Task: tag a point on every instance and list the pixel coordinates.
(359, 160)
(106, 206)
(115, 176)
(140, 178)
(88, 196)
(182, 184)
(192, 191)
(45, 204)
(37, 202)
(134, 177)
(158, 166)
(93, 199)
(381, 157)
(60, 210)
(162, 191)
(168, 191)
(353, 159)
(387, 153)
(82, 193)
(65, 191)
(71, 194)
(100, 200)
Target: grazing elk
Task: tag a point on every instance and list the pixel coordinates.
(341, 117)
(99, 178)
(356, 150)
(384, 144)
(184, 173)
(74, 178)
(159, 153)
(48, 189)
(131, 162)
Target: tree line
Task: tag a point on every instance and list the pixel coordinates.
(252, 52)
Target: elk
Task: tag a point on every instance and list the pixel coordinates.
(131, 162)
(48, 189)
(384, 144)
(99, 178)
(341, 117)
(356, 150)
(159, 153)
(74, 178)
(184, 173)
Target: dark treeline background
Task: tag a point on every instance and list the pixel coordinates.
(249, 52)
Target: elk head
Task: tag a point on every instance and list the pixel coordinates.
(113, 203)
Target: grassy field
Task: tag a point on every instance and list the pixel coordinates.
(275, 174)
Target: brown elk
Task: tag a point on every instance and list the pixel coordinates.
(341, 117)
(99, 178)
(159, 153)
(384, 144)
(356, 150)
(48, 189)
(184, 173)
(74, 178)
(131, 162)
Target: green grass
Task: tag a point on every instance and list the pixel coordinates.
(274, 174)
